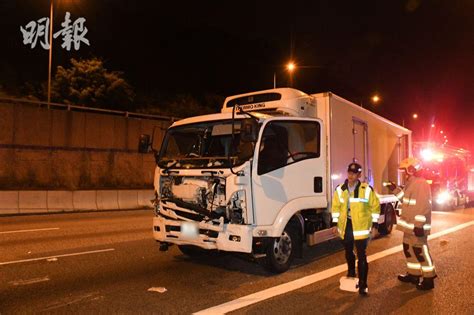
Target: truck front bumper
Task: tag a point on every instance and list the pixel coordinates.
(225, 237)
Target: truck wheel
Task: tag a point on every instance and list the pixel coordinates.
(281, 251)
(192, 251)
(387, 226)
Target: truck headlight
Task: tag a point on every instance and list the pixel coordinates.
(443, 197)
(237, 207)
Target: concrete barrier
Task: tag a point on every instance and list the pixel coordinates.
(53, 201)
(60, 200)
(144, 198)
(107, 200)
(128, 199)
(9, 202)
(32, 201)
(84, 200)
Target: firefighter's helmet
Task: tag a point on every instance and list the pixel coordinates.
(411, 165)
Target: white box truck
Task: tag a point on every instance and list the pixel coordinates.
(258, 177)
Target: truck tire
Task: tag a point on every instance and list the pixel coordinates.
(387, 227)
(192, 251)
(281, 251)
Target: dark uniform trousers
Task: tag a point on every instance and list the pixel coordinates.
(361, 246)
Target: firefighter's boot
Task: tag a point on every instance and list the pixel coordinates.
(426, 284)
(408, 278)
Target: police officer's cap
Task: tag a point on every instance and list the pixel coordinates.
(354, 168)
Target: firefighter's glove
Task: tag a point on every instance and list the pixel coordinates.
(333, 224)
(419, 231)
(375, 225)
(390, 185)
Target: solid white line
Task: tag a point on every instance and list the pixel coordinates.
(444, 213)
(30, 281)
(33, 230)
(302, 282)
(56, 256)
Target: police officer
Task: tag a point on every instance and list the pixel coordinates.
(415, 223)
(355, 209)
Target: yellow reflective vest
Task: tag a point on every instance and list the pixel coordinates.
(364, 205)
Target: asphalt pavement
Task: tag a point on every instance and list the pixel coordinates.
(99, 262)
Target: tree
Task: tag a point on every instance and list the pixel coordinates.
(185, 105)
(88, 83)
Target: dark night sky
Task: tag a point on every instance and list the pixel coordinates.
(417, 54)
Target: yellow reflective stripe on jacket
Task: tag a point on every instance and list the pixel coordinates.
(367, 193)
(400, 195)
(361, 233)
(358, 200)
(339, 194)
(405, 224)
(427, 227)
(420, 218)
(409, 201)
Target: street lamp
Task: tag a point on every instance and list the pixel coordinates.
(291, 67)
(50, 49)
(375, 99)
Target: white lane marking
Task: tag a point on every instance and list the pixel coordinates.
(30, 281)
(302, 282)
(33, 230)
(56, 256)
(72, 300)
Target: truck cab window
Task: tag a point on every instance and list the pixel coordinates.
(287, 142)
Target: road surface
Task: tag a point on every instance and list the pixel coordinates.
(108, 262)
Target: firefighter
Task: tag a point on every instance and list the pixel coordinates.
(415, 223)
(355, 210)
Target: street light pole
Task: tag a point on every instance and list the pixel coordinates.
(50, 50)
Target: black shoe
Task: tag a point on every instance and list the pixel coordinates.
(426, 284)
(363, 290)
(408, 278)
(351, 273)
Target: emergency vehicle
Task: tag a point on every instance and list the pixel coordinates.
(258, 177)
(448, 172)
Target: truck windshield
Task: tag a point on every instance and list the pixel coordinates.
(204, 145)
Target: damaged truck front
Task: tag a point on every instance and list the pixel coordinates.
(202, 184)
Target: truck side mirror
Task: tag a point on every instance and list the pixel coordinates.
(248, 130)
(144, 144)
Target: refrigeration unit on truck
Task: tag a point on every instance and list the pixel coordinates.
(258, 177)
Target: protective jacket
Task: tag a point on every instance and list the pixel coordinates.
(364, 209)
(416, 206)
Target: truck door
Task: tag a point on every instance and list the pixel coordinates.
(288, 165)
(359, 131)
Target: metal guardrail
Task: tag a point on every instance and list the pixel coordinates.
(80, 108)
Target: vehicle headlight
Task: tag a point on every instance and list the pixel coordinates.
(443, 197)
(237, 207)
